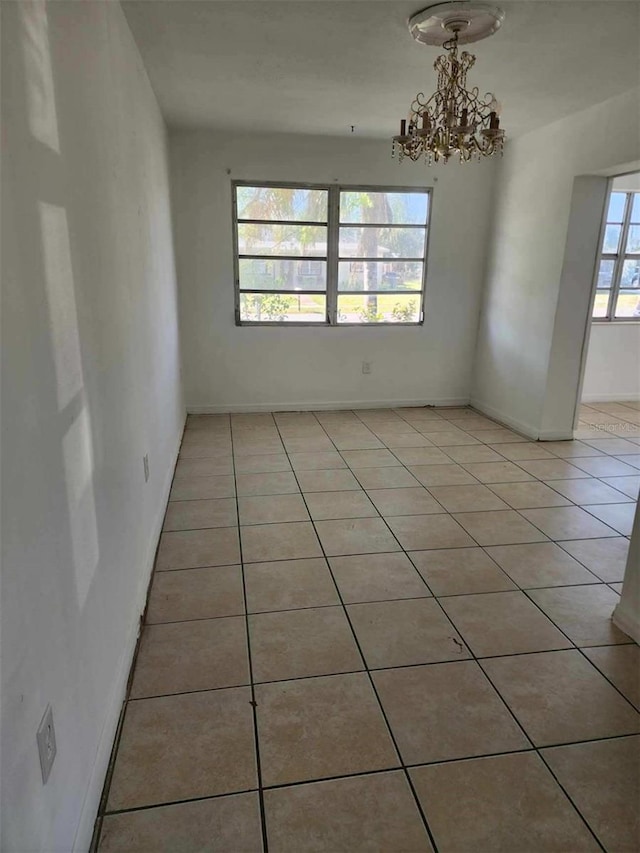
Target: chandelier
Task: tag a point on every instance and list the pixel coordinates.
(454, 120)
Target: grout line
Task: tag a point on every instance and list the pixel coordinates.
(263, 817)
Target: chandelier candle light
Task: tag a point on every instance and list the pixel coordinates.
(454, 120)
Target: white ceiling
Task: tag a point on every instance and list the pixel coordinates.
(318, 67)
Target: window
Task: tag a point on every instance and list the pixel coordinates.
(618, 275)
(330, 255)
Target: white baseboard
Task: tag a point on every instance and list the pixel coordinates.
(629, 623)
(315, 406)
(520, 426)
(497, 415)
(620, 396)
(91, 803)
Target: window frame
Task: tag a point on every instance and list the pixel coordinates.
(332, 257)
(618, 259)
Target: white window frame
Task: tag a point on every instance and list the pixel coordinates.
(618, 259)
(332, 257)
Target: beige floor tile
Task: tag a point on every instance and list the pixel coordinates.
(570, 449)
(265, 463)
(191, 549)
(279, 483)
(405, 439)
(606, 558)
(355, 536)
(269, 542)
(567, 522)
(523, 450)
(386, 478)
(375, 812)
(243, 447)
(377, 577)
(530, 495)
(497, 472)
(418, 532)
(582, 612)
(331, 505)
(183, 747)
(621, 665)
(467, 498)
(299, 643)
(369, 458)
(412, 501)
(603, 780)
(553, 469)
(193, 515)
(559, 697)
(446, 711)
(186, 656)
(629, 486)
(327, 481)
(452, 438)
(422, 455)
(588, 491)
(206, 467)
(459, 571)
(442, 475)
(540, 564)
(317, 461)
(605, 466)
(195, 594)
(216, 449)
(499, 527)
(618, 516)
(351, 442)
(613, 446)
(308, 444)
(206, 826)
(497, 436)
(400, 633)
(288, 585)
(502, 623)
(496, 804)
(314, 728)
(474, 453)
(268, 509)
(203, 488)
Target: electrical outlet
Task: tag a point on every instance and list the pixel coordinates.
(46, 738)
(145, 462)
(366, 367)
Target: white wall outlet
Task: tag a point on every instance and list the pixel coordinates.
(46, 737)
(366, 366)
(145, 463)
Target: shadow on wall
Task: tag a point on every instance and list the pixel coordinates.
(53, 456)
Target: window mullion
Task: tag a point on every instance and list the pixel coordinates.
(333, 237)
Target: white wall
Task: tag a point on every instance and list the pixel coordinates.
(90, 382)
(612, 370)
(530, 340)
(229, 367)
(613, 363)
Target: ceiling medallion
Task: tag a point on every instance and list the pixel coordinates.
(454, 120)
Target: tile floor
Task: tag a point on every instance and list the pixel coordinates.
(386, 630)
